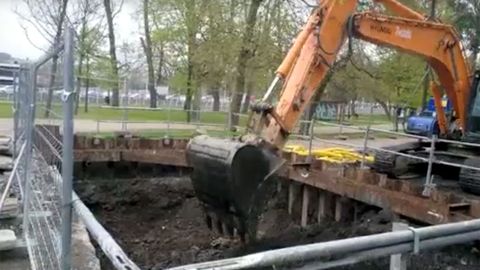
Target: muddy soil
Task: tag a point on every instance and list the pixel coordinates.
(160, 224)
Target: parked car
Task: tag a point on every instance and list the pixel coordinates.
(426, 123)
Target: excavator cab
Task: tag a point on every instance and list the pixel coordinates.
(473, 113)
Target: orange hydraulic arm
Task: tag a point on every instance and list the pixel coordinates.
(401, 10)
(318, 45)
(437, 43)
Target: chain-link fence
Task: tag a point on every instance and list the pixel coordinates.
(43, 169)
(46, 211)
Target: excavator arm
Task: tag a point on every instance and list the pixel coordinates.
(438, 44)
(318, 45)
(233, 178)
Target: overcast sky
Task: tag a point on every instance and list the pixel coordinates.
(14, 41)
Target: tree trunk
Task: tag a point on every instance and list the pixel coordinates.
(147, 47)
(197, 100)
(188, 97)
(243, 57)
(53, 68)
(113, 54)
(246, 104)
(475, 52)
(82, 49)
(51, 82)
(87, 83)
(308, 115)
(216, 99)
(161, 62)
(353, 110)
(192, 29)
(385, 108)
(79, 82)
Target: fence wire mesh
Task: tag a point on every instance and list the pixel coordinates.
(43, 201)
(37, 126)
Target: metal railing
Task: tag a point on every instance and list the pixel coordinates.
(168, 124)
(349, 251)
(429, 185)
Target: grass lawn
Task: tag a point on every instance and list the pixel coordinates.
(99, 113)
(365, 119)
(6, 110)
(108, 113)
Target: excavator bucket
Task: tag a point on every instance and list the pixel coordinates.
(233, 181)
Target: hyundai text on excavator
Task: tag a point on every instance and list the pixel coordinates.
(233, 178)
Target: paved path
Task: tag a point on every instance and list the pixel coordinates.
(87, 125)
(91, 126)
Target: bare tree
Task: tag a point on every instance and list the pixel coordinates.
(47, 17)
(161, 63)
(243, 57)
(113, 54)
(147, 47)
(88, 37)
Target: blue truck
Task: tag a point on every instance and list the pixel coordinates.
(425, 123)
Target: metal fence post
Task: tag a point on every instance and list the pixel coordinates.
(427, 190)
(229, 119)
(125, 108)
(197, 117)
(365, 146)
(169, 109)
(15, 114)
(398, 261)
(67, 153)
(367, 135)
(310, 143)
(29, 77)
(342, 115)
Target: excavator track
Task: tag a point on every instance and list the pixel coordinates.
(396, 166)
(469, 179)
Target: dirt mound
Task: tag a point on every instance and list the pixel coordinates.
(160, 224)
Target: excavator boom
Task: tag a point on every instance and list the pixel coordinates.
(234, 178)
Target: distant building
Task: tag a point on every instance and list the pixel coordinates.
(8, 73)
(162, 91)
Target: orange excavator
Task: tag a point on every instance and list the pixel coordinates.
(234, 178)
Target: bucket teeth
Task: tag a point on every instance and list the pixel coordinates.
(208, 220)
(230, 230)
(226, 224)
(229, 226)
(240, 226)
(242, 237)
(219, 225)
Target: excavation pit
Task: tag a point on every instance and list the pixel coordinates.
(152, 212)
